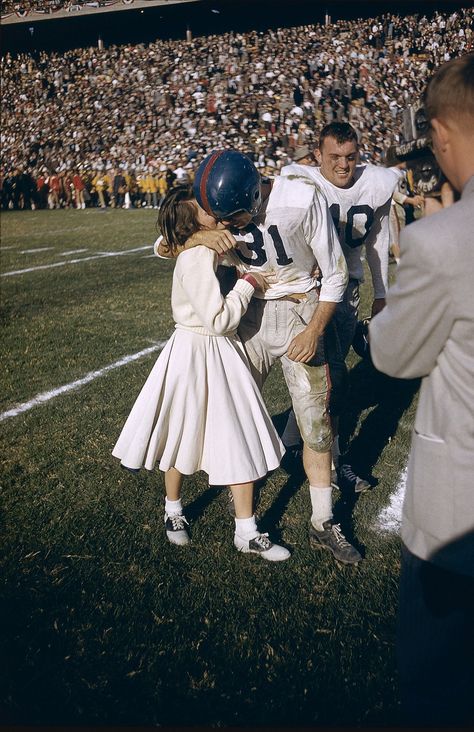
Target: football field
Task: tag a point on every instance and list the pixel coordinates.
(105, 622)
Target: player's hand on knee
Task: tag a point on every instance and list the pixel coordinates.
(303, 347)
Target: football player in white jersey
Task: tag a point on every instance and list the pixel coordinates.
(359, 198)
(284, 227)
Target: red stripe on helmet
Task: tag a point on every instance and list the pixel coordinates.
(204, 177)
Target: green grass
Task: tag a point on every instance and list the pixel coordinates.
(104, 621)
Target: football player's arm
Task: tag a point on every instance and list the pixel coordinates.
(324, 242)
(219, 240)
(322, 237)
(376, 249)
(407, 337)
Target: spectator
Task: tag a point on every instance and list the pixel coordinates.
(79, 188)
(119, 188)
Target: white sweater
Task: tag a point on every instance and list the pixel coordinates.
(196, 299)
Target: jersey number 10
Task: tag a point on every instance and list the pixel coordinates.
(349, 239)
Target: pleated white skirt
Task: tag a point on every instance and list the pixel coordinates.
(200, 409)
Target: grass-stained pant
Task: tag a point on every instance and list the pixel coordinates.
(266, 329)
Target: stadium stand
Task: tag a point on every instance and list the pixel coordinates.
(13, 11)
(146, 112)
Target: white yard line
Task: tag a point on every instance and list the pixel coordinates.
(46, 396)
(34, 251)
(390, 518)
(75, 261)
(73, 251)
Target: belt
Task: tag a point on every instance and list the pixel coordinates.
(294, 297)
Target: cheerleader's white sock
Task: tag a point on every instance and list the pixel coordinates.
(246, 528)
(321, 503)
(173, 508)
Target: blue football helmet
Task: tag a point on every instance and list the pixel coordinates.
(226, 183)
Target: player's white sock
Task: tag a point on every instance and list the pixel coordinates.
(173, 508)
(291, 434)
(246, 528)
(321, 503)
(335, 452)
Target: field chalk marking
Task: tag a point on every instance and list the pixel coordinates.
(75, 261)
(73, 251)
(46, 396)
(390, 518)
(34, 251)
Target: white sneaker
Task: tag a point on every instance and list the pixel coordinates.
(262, 545)
(176, 529)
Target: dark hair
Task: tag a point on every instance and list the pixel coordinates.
(450, 91)
(177, 219)
(341, 131)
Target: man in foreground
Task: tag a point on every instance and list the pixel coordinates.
(427, 330)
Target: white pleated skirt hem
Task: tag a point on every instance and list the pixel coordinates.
(200, 409)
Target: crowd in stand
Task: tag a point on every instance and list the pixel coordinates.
(22, 8)
(117, 126)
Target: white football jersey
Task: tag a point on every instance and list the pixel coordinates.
(361, 216)
(293, 230)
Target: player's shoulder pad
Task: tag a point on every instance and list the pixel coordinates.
(294, 190)
(385, 180)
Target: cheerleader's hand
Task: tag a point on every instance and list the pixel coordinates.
(264, 279)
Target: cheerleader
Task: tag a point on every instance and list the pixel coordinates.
(200, 408)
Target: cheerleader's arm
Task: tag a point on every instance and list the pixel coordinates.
(196, 272)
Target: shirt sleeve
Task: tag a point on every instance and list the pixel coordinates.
(407, 336)
(399, 197)
(322, 237)
(196, 272)
(377, 248)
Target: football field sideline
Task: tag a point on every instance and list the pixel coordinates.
(390, 517)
